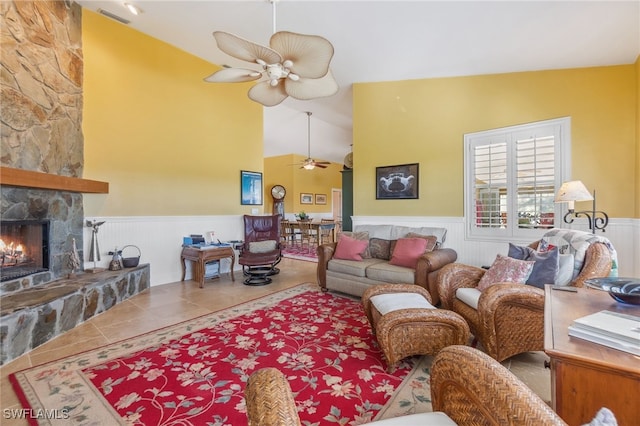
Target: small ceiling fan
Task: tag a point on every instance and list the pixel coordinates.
(309, 163)
(295, 65)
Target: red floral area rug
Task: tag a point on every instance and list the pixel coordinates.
(300, 253)
(194, 373)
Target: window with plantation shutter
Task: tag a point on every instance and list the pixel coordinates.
(511, 178)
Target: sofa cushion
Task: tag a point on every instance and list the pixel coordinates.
(352, 267)
(387, 273)
(432, 240)
(546, 266)
(350, 248)
(470, 296)
(565, 269)
(375, 231)
(390, 302)
(380, 248)
(361, 236)
(402, 231)
(407, 251)
(506, 269)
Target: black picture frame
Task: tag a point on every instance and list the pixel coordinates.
(399, 182)
(250, 188)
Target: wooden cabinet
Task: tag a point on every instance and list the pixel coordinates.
(586, 376)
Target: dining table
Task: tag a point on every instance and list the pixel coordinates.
(316, 226)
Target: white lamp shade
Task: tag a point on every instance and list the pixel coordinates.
(573, 191)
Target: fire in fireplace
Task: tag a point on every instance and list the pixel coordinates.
(24, 248)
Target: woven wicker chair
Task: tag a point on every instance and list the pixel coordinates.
(510, 317)
(467, 387)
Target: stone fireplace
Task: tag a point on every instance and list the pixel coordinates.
(41, 154)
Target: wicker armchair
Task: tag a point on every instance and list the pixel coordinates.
(510, 317)
(467, 387)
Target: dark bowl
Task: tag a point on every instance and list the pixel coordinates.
(626, 293)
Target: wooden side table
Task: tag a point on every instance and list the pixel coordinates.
(586, 376)
(200, 257)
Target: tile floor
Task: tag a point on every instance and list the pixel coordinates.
(170, 303)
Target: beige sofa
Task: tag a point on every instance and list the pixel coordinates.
(354, 277)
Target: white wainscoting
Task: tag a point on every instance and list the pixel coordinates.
(624, 234)
(160, 240)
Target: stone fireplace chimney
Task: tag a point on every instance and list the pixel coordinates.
(41, 116)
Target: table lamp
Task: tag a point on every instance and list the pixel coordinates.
(573, 191)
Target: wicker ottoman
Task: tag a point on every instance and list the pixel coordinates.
(406, 324)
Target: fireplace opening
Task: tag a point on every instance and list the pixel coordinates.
(24, 248)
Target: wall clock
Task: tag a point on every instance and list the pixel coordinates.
(277, 193)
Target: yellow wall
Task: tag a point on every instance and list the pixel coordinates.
(638, 137)
(424, 121)
(285, 170)
(167, 142)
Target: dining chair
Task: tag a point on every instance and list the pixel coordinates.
(307, 233)
(326, 231)
(287, 232)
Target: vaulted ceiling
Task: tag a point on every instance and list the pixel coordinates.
(393, 40)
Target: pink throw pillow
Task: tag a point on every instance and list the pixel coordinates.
(506, 269)
(349, 248)
(407, 251)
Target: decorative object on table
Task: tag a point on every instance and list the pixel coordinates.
(303, 216)
(73, 258)
(295, 65)
(573, 191)
(130, 261)
(251, 188)
(397, 182)
(624, 290)
(94, 254)
(309, 163)
(321, 198)
(306, 198)
(116, 260)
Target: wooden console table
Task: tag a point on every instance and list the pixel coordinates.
(201, 256)
(586, 376)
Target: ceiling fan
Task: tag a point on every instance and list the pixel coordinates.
(309, 163)
(295, 65)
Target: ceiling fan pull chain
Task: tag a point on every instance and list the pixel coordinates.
(273, 7)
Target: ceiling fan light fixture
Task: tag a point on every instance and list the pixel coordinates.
(303, 58)
(309, 166)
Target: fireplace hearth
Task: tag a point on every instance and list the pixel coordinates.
(24, 248)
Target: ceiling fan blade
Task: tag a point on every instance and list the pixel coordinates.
(246, 50)
(233, 75)
(322, 162)
(311, 88)
(310, 54)
(266, 94)
(322, 166)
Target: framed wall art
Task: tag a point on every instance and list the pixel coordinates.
(321, 198)
(306, 198)
(250, 188)
(397, 182)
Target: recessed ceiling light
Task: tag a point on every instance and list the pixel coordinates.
(133, 8)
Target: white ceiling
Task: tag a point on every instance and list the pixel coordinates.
(394, 40)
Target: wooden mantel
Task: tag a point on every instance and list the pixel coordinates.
(39, 180)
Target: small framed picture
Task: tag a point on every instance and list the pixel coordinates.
(251, 188)
(321, 198)
(306, 198)
(397, 182)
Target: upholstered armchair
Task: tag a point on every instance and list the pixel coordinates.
(261, 250)
(508, 318)
(467, 388)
